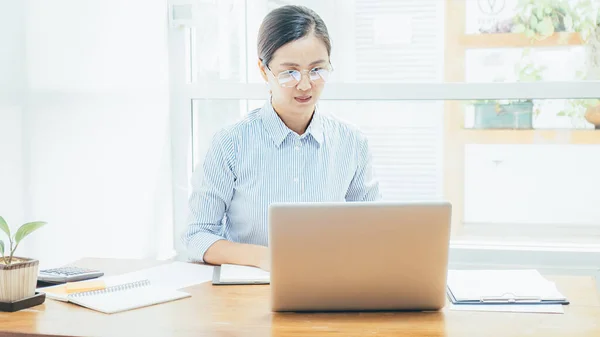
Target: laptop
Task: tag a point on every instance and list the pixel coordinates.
(359, 256)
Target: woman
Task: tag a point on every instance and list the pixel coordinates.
(286, 151)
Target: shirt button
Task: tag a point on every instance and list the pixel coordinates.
(296, 179)
(297, 148)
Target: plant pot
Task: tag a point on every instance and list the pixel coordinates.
(518, 115)
(592, 115)
(18, 280)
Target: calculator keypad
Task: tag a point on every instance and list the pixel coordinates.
(69, 271)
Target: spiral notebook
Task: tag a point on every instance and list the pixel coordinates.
(125, 297)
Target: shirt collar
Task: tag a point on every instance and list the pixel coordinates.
(315, 128)
(279, 131)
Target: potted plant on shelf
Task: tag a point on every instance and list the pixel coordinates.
(589, 109)
(515, 113)
(583, 109)
(540, 19)
(18, 275)
(592, 113)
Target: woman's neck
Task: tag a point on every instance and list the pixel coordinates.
(297, 122)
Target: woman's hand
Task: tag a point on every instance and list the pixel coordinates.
(264, 258)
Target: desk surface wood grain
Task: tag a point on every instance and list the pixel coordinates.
(244, 311)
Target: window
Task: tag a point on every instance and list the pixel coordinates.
(513, 178)
(410, 74)
(407, 149)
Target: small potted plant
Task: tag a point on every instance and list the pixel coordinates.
(18, 275)
(510, 113)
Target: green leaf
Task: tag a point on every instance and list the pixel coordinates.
(1, 248)
(546, 28)
(562, 113)
(533, 22)
(4, 227)
(27, 229)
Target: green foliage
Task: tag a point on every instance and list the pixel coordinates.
(4, 226)
(526, 69)
(576, 108)
(540, 19)
(14, 241)
(27, 229)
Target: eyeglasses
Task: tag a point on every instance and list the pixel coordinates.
(291, 78)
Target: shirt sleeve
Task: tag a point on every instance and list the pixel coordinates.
(212, 190)
(364, 186)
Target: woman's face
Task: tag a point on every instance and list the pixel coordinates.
(303, 55)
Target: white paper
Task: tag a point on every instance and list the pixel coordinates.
(527, 308)
(235, 273)
(173, 275)
(478, 284)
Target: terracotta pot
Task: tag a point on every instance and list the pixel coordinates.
(18, 280)
(592, 115)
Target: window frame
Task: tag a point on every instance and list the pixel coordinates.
(463, 253)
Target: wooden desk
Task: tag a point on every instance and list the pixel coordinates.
(244, 311)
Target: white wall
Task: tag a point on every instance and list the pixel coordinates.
(12, 85)
(535, 184)
(97, 129)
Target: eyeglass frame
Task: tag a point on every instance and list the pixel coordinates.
(329, 69)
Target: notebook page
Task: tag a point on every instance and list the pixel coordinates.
(172, 275)
(127, 299)
(475, 284)
(236, 273)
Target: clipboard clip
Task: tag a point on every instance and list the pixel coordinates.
(510, 298)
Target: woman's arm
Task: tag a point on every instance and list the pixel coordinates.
(364, 185)
(212, 192)
(227, 252)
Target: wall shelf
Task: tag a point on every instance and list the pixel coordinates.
(514, 40)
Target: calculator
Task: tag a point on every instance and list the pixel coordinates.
(67, 274)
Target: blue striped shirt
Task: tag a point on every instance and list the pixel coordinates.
(258, 161)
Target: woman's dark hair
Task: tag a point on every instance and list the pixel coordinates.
(286, 24)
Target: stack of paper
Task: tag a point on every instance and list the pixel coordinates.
(487, 289)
